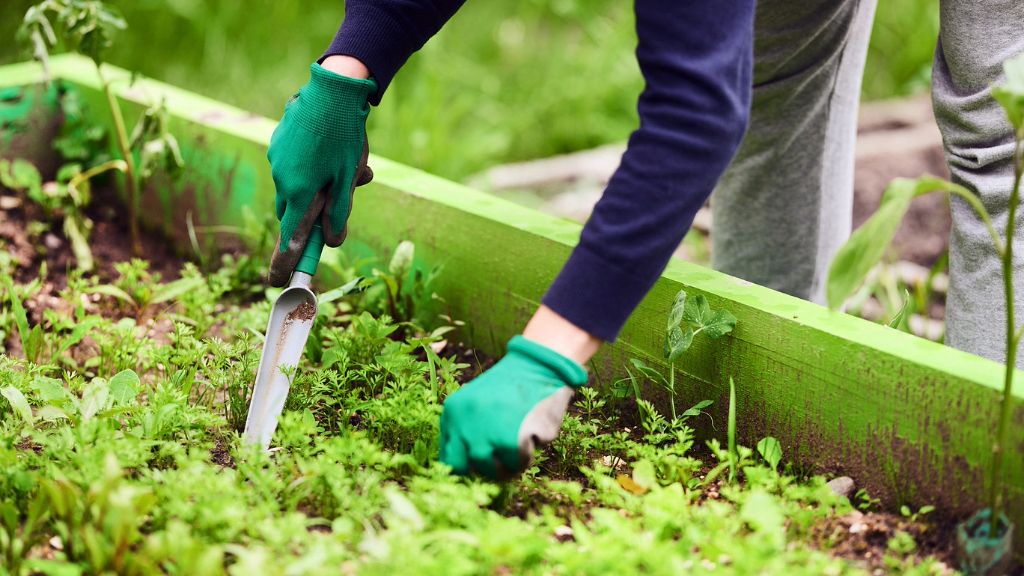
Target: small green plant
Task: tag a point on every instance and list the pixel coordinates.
(908, 513)
(686, 319)
(866, 246)
(88, 27)
(864, 501)
(139, 290)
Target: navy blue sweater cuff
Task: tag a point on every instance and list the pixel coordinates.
(597, 295)
(364, 33)
(383, 34)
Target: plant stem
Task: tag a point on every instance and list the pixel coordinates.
(131, 181)
(1012, 341)
(982, 213)
(672, 387)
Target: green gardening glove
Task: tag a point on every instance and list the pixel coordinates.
(320, 144)
(491, 425)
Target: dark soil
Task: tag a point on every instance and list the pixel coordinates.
(220, 454)
(303, 312)
(900, 139)
(864, 538)
(109, 242)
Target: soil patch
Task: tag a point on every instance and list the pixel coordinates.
(870, 538)
(109, 242)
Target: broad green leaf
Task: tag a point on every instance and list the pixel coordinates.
(762, 513)
(89, 27)
(332, 356)
(404, 510)
(79, 332)
(697, 310)
(675, 316)
(49, 389)
(441, 331)
(868, 243)
(678, 341)
(721, 323)
(901, 315)
(20, 175)
(696, 409)
(95, 398)
(112, 291)
(644, 474)
(176, 289)
(770, 449)
(18, 403)
(51, 413)
(124, 387)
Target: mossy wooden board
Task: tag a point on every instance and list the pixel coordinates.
(910, 420)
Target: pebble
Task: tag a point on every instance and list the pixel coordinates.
(51, 241)
(843, 485)
(564, 534)
(858, 527)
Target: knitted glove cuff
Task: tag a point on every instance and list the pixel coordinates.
(566, 369)
(332, 105)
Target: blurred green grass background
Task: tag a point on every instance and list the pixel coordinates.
(502, 82)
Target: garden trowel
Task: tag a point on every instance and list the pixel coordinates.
(291, 319)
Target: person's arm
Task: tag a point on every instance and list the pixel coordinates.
(383, 34)
(696, 57)
(320, 144)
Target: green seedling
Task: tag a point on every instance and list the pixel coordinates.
(866, 246)
(686, 319)
(88, 27)
(139, 290)
(909, 514)
(770, 451)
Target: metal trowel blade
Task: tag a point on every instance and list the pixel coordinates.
(291, 320)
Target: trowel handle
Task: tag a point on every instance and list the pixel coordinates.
(311, 254)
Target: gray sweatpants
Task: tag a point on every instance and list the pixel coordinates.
(784, 206)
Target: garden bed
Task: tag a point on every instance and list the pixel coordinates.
(842, 396)
(125, 441)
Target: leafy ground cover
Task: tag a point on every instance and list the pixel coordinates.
(124, 391)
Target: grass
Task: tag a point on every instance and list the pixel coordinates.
(499, 84)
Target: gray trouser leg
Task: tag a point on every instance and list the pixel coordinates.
(975, 38)
(785, 205)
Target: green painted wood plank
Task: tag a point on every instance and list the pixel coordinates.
(909, 419)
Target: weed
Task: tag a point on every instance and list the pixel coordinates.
(88, 26)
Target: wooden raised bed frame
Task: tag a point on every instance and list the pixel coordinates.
(910, 420)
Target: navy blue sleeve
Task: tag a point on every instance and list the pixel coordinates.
(382, 34)
(696, 57)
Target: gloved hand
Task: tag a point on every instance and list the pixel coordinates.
(320, 144)
(491, 425)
